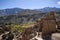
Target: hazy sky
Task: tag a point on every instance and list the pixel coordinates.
(29, 4)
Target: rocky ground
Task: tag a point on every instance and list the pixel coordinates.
(56, 36)
(28, 34)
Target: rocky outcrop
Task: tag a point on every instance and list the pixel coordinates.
(8, 36)
(4, 29)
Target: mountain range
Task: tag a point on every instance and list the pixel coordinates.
(19, 15)
(48, 9)
(12, 11)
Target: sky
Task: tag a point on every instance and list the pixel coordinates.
(29, 4)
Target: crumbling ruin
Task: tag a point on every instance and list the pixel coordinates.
(49, 24)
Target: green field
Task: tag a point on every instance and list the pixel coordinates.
(21, 27)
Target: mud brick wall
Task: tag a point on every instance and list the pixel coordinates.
(45, 29)
(51, 16)
(48, 24)
(52, 25)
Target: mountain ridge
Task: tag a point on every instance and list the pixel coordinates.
(12, 11)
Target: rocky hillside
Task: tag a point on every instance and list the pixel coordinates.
(18, 15)
(22, 17)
